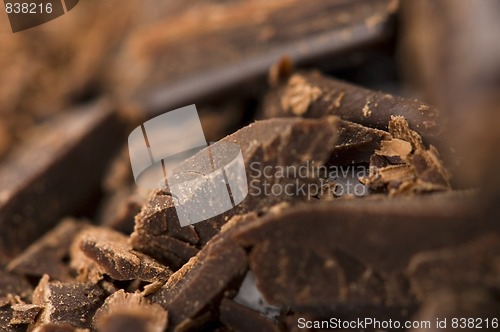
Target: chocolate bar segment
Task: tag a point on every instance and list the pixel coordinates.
(38, 182)
(265, 145)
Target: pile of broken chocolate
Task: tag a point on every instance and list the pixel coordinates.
(405, 249)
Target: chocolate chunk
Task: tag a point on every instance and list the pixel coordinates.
(49, 254)
(312, 95)
(237, 317)
(123, 312)
(25, 313)
(264, 144)
(198, 286)
(469, 265)
(51, 327)
(71, 303)
(43, 180)
(301, 288)
(112, 255)
(6, 314)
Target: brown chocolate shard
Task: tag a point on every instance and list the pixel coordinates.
(112, 255)
(469, 265)
(198, 286)
(312, 95)
(237, 317)
(42, 182)
(25, 313)
(71, 303)
(405, 165)
(6, 314)
(248, 46)
(126, 312)
(49, 255)
(263, 144)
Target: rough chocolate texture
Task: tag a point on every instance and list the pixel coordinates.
(6, 314)
(264, 143)
(25, 313)
(125, 312)
(112, 255)
(49, 254)
(199, 285)
(71, 303)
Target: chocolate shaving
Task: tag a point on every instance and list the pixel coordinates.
(112, 255)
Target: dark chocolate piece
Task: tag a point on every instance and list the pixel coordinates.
(25, 313)
(403, 164)
(272, 144)
(455, 268)
(350, 238)
(71, 303)
(6, 314)
(49, 254)
(126, 312)
(237, 317)
(54, 173)
(199, 285)
(113, 255)
(312, 95)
